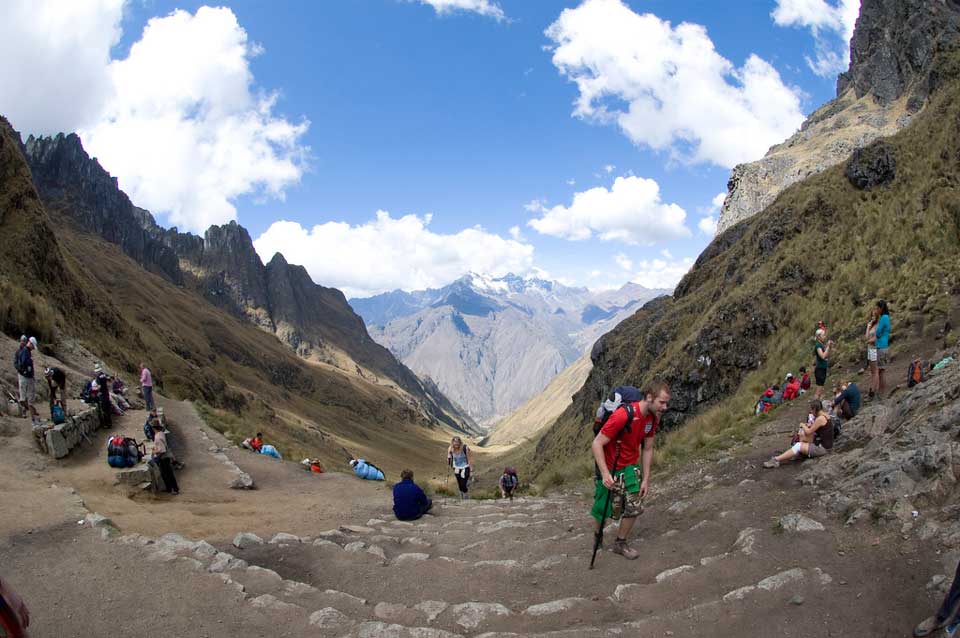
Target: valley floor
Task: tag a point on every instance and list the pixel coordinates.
(715, 558)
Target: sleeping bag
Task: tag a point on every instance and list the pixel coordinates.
(269, 450)
(368, 471)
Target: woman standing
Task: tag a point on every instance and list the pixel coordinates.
(882, 343)
(821, 352)
(871, 339)
(458, 457)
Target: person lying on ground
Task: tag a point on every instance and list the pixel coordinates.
(268, 450)
(812, 439)
(57, 385)
(409, 501)
(946, 615)
(366, 470)
(847, 403)
(312, 465)
(508, 482)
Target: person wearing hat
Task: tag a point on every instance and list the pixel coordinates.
(25, 377)
(791, 387)
(57, 385)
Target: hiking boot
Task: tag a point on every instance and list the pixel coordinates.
(620, 546)
(928, 626)
(772, 463)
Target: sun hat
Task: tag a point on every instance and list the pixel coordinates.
(353, 462)
(789, 375)
(33, 342)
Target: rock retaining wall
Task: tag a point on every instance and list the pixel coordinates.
(59, 440)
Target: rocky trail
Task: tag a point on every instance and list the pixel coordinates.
(727, 548)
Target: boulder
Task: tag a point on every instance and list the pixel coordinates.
(872, 166)
(246, 539)
(242, 481)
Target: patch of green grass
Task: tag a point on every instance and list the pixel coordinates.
(23, 313)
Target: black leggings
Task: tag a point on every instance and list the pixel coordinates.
(463, 480)
(166, 471)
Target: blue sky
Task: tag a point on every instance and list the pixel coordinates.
(457, 124)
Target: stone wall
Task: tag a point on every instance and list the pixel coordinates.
(59, 440)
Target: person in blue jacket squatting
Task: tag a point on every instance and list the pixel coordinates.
(366, 470)
(409, 501)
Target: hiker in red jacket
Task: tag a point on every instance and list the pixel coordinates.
(791, 390)
(616, 445)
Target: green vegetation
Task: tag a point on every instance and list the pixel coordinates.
(745, 313)
(22, 313)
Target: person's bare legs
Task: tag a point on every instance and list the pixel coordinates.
(881, 381)
(626, 526)
(874, 378)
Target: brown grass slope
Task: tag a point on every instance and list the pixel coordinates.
(79, 286)
(746, 311)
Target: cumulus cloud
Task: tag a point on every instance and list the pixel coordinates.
(623, 261)
(387, 253)
(482, 7)
(179, 121)
(630, 211)
(53, 62)
(708, 223)
(661, 273)
(831, 26)
(667, 87)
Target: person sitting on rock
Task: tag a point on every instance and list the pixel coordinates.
(804, 380)
(946, 616)
(777, 398)
(508, 482)
(847, 403)
(813, 439)
(409, 501)
(791, 387)
(257, 442)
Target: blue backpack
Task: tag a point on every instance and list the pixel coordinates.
(57, 415)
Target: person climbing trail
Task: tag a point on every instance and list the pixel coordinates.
(458, 457)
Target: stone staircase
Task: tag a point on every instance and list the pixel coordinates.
(499, 568)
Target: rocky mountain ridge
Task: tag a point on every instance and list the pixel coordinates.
(491, 343)
(222, 266)
(890, 78)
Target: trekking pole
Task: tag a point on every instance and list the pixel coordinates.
(598, 536)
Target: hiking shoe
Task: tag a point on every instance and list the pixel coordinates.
(928, 626)
(620, 546)
(772, 463)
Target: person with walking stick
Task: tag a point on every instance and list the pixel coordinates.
(616, 450)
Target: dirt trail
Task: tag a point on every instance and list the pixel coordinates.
(715, 558)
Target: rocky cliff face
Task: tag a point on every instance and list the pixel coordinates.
(70, 181)
(224, 268)
(888, 82)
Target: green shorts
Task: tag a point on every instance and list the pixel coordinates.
(633, 506)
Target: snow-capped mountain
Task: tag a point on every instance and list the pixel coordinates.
(492, 343)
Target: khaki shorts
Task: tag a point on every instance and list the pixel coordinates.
(883, 358)
(28, 389)
(813, 451)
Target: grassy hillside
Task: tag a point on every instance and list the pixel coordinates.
(824, 250)
(67, 285)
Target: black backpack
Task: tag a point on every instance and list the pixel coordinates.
(623, 397)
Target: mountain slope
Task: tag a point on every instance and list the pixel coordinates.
(888, 83)
(886, 224)
(492, 343)
(223, 267)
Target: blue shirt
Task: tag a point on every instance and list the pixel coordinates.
(852, 395)
(409, 500)
(883, 331)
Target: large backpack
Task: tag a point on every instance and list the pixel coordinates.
(123, 452)
(57, 415)
(915, 373)
(621, 397)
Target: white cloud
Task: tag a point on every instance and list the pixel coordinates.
(515, 233)
(53, 62)
(660, 273)
(609, 168)
(630, 211)
(623, 261)
(718, 200)
(667, 87)
(708, 225)
(831, 26)
(387, 253)
(483, 7)
(179, 121)
(571, 182)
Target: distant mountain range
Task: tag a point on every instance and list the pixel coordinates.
(492, 343)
